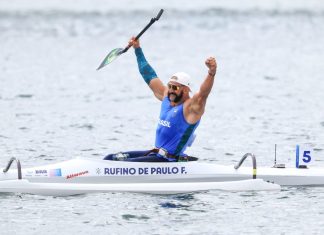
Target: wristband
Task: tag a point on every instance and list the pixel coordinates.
(212, 74)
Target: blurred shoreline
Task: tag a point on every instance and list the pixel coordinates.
(181, 5)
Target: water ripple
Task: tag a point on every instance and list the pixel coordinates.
(131, 217)
(173, 205)
(24, 96)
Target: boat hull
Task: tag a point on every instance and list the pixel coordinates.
(90, 171)
(67, 189)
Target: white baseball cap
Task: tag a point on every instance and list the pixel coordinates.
(181, 78)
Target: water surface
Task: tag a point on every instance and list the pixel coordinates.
(55, 106)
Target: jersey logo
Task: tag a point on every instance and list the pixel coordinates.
(164, 123)
(175, 110)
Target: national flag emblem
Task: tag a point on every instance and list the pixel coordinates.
(55, 172)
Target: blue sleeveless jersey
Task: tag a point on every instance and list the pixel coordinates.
(173, 132)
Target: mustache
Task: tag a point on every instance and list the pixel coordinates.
(172, 93)
(177, 97)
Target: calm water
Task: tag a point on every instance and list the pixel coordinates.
(55, 106)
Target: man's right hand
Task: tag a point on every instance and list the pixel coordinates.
(133, 42)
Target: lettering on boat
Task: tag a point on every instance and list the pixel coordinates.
(41, 172)
(29, 173)
(77, 174)
(145, 171)
(120, 171)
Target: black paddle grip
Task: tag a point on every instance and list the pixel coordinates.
(149, 24)
(159, 15)
(146, 27)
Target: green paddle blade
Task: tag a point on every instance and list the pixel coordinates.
(110, 57)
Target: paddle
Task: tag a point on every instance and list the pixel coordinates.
(118, 51)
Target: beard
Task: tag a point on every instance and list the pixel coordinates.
(177, 97)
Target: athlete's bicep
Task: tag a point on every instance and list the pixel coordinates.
(197, 104)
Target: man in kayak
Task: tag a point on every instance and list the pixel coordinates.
(180, 114)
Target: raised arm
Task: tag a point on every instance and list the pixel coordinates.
(207, 85)
(195, 107)
(147, 71)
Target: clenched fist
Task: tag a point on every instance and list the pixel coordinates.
(212, 65)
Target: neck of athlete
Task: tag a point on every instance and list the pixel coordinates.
(183, 99)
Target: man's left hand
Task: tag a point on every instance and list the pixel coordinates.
(212, 65)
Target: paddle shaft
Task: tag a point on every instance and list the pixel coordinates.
(146, 28)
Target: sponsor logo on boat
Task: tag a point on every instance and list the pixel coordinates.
(77, 174)
(164, 123)
(55, 172)
(29, 173)
(98, 171)
(146, 171)
(40, 172)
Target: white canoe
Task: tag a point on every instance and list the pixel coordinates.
(84, 170)
(84, 175)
